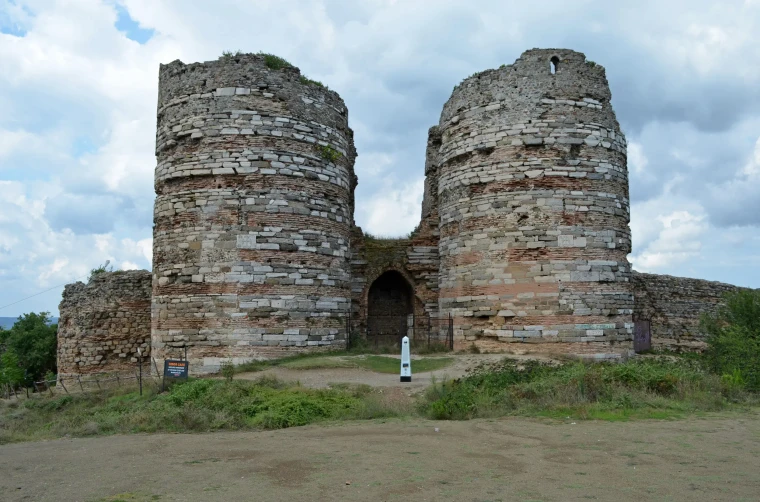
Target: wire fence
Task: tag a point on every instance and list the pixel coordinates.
(64, 384)
(387, 331)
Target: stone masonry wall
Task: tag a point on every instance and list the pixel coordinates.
(534, 208)
(673, 305)
(102, 323)
(254, 206)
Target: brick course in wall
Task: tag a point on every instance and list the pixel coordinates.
(254, 206)
(534, 210)
(523, 238)
(104, 322)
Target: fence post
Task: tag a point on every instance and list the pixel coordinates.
(451, 332)
(428, 329)
(64, 387)
(139, 353)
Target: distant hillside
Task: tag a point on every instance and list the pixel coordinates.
(8, 322)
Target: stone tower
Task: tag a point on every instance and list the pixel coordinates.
(534, 208)
(254, 205)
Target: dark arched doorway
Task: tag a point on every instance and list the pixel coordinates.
(389, 304)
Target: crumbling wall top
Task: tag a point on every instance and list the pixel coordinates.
(539, 74)
(178, 81)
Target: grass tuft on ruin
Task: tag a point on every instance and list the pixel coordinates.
(328, 153)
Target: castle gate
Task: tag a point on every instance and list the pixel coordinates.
(389, 308)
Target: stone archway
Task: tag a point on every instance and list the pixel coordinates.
(390, 302)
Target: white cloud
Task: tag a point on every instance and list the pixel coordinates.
(393, 212)
(679, 239)
(79, 98)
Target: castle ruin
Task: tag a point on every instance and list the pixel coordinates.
(522, 243)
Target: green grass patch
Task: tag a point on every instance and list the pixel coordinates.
(197, 405)
(379, 364)
(318, 363)
(274, 62)
(652, 387)
(382, 364)
(307, 81)
(642, 388)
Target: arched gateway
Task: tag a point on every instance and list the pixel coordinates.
(389, 307)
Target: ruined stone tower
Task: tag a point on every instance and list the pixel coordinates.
(522, 245)
(254, 205)
(534, 208)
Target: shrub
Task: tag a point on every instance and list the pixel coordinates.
(733, 338)
(227, 369)
(274, 62)
(11, 374)
(100, 270)
(307, 81)
(227, 55)
(329, 153)
(32, 339)
(511, 387)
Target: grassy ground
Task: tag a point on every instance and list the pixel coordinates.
(643, 388)
(379, 364)
(650, 388)
(346, 359)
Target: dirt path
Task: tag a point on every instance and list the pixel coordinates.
(321, 378)
(711, 458)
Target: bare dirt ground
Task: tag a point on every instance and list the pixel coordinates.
(321, 378)
(713, 458)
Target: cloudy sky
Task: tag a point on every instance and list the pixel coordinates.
(78, 91)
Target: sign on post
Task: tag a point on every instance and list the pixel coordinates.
(175, 370)
(406, 361)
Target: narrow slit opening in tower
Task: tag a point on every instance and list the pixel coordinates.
(389, 304)
(554, 64)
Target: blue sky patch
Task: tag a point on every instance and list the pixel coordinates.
(8, 25)
(132, 28)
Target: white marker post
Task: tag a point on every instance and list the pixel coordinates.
(406, 361)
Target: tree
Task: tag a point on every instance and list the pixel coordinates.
(32, 340)
(11, 374)
(734, 337)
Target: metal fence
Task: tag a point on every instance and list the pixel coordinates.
(143, 373)
(387, 331)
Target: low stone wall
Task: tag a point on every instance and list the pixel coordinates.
(674, 305)
(102, 323)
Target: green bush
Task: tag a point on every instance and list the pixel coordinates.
(101, 269)
(33, 343)
(228, 55)
(535, 387)
(307, 81)
(329, 153)
(11, 374)
(227, 369)
(733, 339)
(274, 62)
